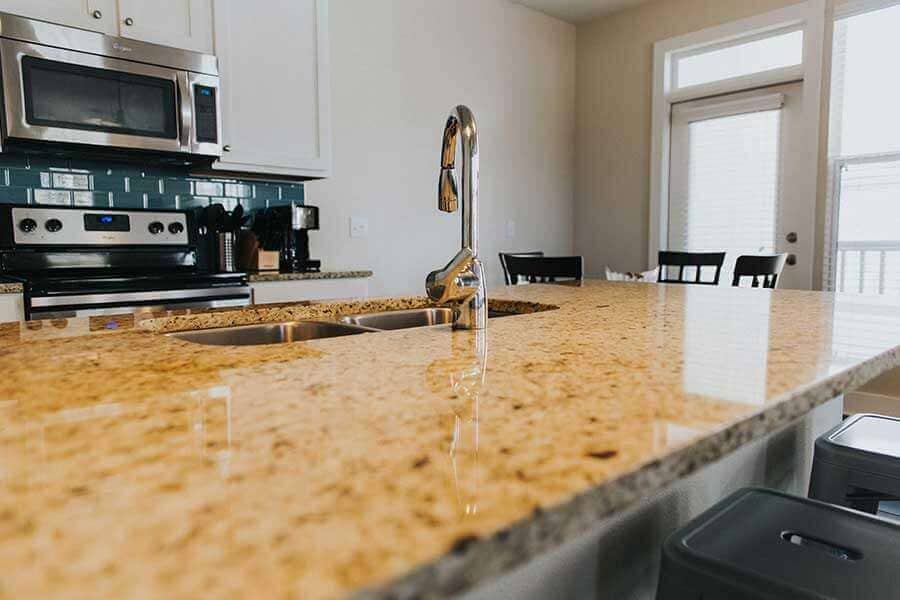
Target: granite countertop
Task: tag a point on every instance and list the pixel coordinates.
(7, 287)
(260, 277)
(136, 464)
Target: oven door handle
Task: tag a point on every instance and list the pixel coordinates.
(185, 100)
(127, 298)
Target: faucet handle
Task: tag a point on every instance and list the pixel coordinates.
(448, 194)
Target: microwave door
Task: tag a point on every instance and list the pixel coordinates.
(56, 95)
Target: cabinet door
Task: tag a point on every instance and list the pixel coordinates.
(275, 87)
(178, 23)
(96, 15)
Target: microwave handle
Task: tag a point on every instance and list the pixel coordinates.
(186, 111)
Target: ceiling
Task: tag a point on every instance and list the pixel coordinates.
(578, 11)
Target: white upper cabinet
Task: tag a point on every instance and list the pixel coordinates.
(275, 87)
(178, 23)
(96, 15)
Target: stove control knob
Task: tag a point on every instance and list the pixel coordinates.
(175, 228)
(27, 225)
(53, 225)
(156, 227)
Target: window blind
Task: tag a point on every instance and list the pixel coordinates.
(725, 184)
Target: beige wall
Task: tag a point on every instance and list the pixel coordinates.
(398, 67)
(614, 97)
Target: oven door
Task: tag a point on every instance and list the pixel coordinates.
(51, 298)
(55, 95)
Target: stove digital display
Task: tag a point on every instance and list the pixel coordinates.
(106, 222)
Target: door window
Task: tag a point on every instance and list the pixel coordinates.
(725, 177)
(75, 97)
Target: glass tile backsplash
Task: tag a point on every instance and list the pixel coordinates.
(41, 180)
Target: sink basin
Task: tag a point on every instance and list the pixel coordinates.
(401, 319)
(301, 331)
(270, 333)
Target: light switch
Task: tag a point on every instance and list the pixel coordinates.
(359, 227)
(510, 229)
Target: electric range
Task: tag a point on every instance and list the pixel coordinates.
(89, 261)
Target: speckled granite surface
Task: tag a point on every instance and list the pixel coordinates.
(261, 277)
(10, 288)
(396, 464)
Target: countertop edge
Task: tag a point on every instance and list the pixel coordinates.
(475, 560)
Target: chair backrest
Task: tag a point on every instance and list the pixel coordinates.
(544, 269)
(690, 259)
(503, 256)
(763, 269)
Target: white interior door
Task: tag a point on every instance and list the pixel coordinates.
(736, 179)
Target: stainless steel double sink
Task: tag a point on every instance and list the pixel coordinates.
(299, 331)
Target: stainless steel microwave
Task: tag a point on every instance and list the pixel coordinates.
(70, 88)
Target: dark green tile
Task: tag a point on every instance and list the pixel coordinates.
(109, 183)
(15, 161)
(24, 178)
(166, 202)
(128, 200)
(253, 204)
(11, 195)
(177, 186)
(265, 192)
(292, 192)
(48, 162)
(149, 185)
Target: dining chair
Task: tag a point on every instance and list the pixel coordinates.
(503, 256)
(545, 269)
(766, 269)
(681, 260)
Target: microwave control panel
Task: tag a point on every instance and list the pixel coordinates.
(206, 117)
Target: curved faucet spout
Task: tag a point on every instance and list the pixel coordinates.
(461, 130)
(462, 280)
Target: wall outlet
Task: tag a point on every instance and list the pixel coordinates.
(510, 229)
(359, 227)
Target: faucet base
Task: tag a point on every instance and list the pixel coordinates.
(472, 312)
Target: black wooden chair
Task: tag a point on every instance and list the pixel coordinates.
(503, 256)
(544, 269)
(766, 269)
(681, 260)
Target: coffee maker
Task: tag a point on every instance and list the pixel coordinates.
(286, 229)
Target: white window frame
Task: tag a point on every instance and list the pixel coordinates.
(809, 16)
(680, 94)
(836, 164)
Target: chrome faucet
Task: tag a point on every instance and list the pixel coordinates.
(461, 282)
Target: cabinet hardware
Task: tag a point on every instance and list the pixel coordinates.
(129, 21)
(226, 148)
(97, 14)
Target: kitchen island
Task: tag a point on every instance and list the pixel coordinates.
(404, 463)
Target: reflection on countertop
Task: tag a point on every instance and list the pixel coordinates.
(272, 276)
(408, 460)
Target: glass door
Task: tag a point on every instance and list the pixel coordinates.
(731, 180)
